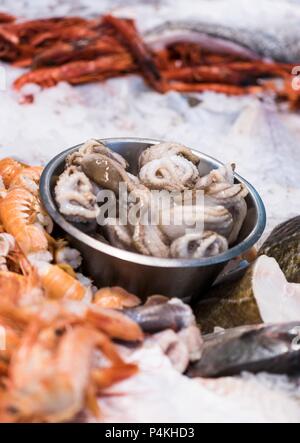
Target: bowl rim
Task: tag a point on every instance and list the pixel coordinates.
(69, 228)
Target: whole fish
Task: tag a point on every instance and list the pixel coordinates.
(278, 46)
(261, 295)
(284, 245)
(159, 314)
(263, 348)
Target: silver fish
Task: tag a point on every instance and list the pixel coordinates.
(262, 348)
(284, 46)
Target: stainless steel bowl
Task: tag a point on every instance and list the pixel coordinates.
(142, 275)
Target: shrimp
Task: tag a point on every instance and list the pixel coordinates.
(14, 321)
(18, 288)
(9, 169)
(81, 71)
(7, 245)
(39, 279)
(27, 178)
(6, 18)
(115, 298)
(19, 211)
(15, 174)
(58, 284)
(143, 56)
(13, 317)
(21, 289)
(52, 377)
(2, 193)
(113, 323)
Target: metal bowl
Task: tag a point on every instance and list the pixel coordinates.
(143, 275)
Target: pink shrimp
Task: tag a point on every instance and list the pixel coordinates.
(18, 214)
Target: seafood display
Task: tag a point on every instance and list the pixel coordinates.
(178, 56)
(59, 354)
(196, 217)
(68, 343)
(139, 287)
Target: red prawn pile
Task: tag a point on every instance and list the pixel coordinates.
(78, 50)
(58, 355)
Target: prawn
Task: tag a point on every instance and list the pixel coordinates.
(113, 323)
(7, 245)
(38, 277)
(14, 321)
(15, 174)
(77, 72)
(18, 288)
(6, 18)
(19, 212)
(27, 178)
(59, 284)
(52, 377)
(115, 298)
(21, 289)
(144, 58)
(9, 169)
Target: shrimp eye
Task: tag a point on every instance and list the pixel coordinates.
(59, 332)
(12, 410)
